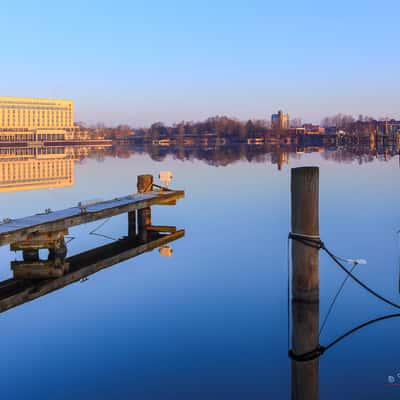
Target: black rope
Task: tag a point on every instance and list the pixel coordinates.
(328, 313)
(320, 350)
(318, 244)
(309, 356)
(309, 241)
(94, 231)
(362, 284)
(358, 327)
(163, 188)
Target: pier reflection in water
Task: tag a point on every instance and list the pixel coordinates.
(34, 277)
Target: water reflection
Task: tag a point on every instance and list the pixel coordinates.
(279, 154)
(43, 167)
(305, 339)
(34, 276)
(306, 349)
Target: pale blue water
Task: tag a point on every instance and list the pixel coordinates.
(211, 321)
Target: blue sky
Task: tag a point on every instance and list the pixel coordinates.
(139, 62)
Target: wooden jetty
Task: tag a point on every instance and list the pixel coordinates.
(34, 277)
(15, 230)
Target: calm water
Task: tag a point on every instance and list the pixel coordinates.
(210, 322)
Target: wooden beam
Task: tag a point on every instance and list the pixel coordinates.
(161, 228)
(19, 234)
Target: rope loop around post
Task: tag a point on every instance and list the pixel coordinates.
(308, 240)
(309, 356)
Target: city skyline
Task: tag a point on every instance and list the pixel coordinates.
(226, 59)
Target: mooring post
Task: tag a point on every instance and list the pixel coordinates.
(144, 184)
(305, 221)
(305, 282)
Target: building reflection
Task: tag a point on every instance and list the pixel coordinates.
(30, 168)
(42, 167)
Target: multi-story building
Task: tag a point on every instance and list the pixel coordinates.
(35, 120)
(280, 120)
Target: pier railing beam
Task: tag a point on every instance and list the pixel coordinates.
(305, 221)
(144, 184)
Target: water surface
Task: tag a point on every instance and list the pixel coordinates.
(210, 321)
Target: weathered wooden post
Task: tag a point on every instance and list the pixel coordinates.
(305, 221)
(144, 184)
(305, 282)
(132, 225)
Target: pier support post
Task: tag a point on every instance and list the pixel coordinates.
(144, 184)
(132, 225)
(305, 221)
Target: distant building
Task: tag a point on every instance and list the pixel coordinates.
(389, 128)
(310, 129)
(25, 119)
(280, 120)
(332, 130)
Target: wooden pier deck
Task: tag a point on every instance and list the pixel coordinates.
(19, 229)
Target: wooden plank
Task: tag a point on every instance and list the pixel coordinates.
(161, 228)
(15, 292)
(20, 229)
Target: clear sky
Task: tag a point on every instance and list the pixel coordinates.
(138, 62)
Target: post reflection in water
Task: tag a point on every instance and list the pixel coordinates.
(305, 339)
(306, 349)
